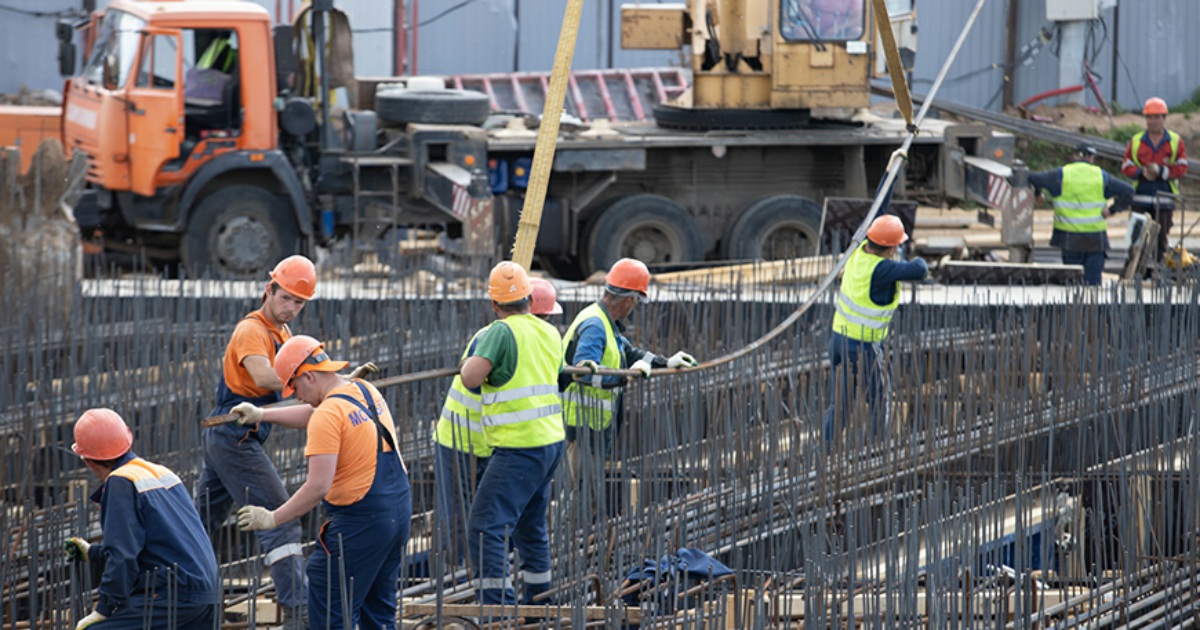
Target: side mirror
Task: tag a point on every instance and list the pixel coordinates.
(66, 58)
(111, 72)
(64, 30)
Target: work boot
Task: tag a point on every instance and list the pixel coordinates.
(295, 618)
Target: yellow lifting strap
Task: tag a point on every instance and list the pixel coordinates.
(883, 23)
(543, 152)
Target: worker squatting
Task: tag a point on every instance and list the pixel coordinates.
(508, 419)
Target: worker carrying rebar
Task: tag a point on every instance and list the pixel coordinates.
(159, 570)
(1080, 192)
(592, 404)
(515, 365)
(235, 469)
(356, 471)
(864, 305)
(461, 452)
(1157, 159)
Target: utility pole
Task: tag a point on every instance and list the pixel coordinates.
(1010, 54)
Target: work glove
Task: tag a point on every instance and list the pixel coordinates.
(681, 359)
(1150, 172)
(92, 619)
(897, 155)
(77, 548)
(247, 413)
(253, 518)
(364, 370)
(643, 366)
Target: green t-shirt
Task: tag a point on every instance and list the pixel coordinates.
(499, 346)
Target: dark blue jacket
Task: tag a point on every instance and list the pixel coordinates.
(153, 539)
(589, 344)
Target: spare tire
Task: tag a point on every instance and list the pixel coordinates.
(438, 107)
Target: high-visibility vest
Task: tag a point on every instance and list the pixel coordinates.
(1172, 137)
(857, 317)
(581, 401)
(218, 47)
(526, 412)
(461, 425)
(1080, 207)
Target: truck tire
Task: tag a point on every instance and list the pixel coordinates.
(239, 231)
(775, 228)
(652, 229)
(439, 107)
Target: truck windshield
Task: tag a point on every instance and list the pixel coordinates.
(119, 37)
(821, 20)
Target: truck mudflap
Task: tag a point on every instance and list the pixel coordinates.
(467, 197)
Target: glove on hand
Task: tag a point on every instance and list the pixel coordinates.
(77, 548)
(681, 359)
(365, 369)
(1150, 172)
(247, 413)
(643, 366)
(898, 154)
(252, 518)
(92, 619)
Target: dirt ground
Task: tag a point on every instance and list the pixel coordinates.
(1083, 119)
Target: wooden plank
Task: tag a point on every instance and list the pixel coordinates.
(628, 615)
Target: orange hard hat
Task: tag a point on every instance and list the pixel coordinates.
(302, 354)
(628, 274)
(101, 434)
(1155, 105)
(296, 275)
(508, 283)
(887, 231)
(544, 299)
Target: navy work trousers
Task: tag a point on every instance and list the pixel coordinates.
(1093, 264)
(856, 368)
(510, 507)
(457, 478)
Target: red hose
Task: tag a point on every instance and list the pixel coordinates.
(1058, 92)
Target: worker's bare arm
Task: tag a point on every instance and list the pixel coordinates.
(475, 371)
(261, 371)
(293, 417)
(320, 478)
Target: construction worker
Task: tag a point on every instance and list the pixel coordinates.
(1080, 191)
(866, 300)
(461, 452)
(1157, 159)
(596, 339)
(355, 469)
(236, 470)
(159, 568)
(515, 364)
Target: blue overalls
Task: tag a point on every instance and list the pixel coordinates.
(236, 470)
(368, 539)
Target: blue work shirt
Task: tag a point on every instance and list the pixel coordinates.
(1051, 182)
(888, 272)
(153, 538)
(589, 343)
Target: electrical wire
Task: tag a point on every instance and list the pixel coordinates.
(41, 14)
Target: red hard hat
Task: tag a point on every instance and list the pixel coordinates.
(544, 299)
(887, 231)
(296, 275)
(628, 274)
(302, 354)
(508, 283)
(1155, 105)
(101, 434)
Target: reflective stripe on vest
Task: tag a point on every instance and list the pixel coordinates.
(532, 415)
(584, 401)
(1172, 138)
(856, 316)
(1080, 207)
(461, 425)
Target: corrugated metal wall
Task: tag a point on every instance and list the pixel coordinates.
(1157, 39)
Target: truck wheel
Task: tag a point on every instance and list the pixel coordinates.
(776, 228)
(239, 232)
(649, 228)
(438, 107)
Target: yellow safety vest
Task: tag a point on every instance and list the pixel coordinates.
(857, 317)
(461, 426)
(1172, 137)
(585, 401)
(526, 412)
(1080, 207)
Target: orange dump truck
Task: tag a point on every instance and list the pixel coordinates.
(25, 126)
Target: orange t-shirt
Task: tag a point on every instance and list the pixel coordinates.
(254, 335)
(340, 428)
